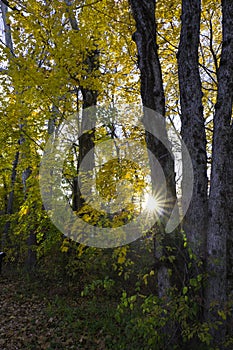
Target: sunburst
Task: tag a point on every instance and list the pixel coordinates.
(156, 203)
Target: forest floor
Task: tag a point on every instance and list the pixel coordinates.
(48, 310)
(41, 313)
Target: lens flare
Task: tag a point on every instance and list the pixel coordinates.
(153, 204)
(157, 204)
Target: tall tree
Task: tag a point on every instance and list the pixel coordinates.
(86, 140)
(208, 222)
(10, 201)
(193, 124)
(230, 216)
(220, 190)
(152, 94)
(20, 154)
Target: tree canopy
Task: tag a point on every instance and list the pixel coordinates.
(133, 75)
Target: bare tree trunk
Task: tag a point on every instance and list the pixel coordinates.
(10, 203)
(31, 259)
(31, 254)
(219, 219)
(193, 125)
(86, 143)
(10, 200)
(230, 216)
(153, 98)
(31, 241)
(7, 29)
(86, 140)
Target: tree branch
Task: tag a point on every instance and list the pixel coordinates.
(14, 8)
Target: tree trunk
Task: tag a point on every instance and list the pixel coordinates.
(10, 200)
(87, 132)
(7, 29)
(86, 140)
(31, 253)
(230, 231)
(31, 241)
(193, 125)
(31, 259)
(220, 190)
(153, 99)
(9, 45)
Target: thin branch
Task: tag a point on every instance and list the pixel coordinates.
(111, 17)
(14, 8)
(209, 129)
(167, 41)
(208, 72)
(86, 5)
(209, 89)
(28, 136)
(211, 46)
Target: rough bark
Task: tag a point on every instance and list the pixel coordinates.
(219, 220)
(230, 216)
(193, 127)
(152, 94)
(230, 232)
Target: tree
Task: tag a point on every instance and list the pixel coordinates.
(219, 224)
(89, 95)
(10, 197)
(193, 124)
(53, 75)
(206, 230)
(64, 56)
(152, 95)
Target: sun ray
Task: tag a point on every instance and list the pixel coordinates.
(157, 204)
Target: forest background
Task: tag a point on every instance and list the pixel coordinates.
(166, 290)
